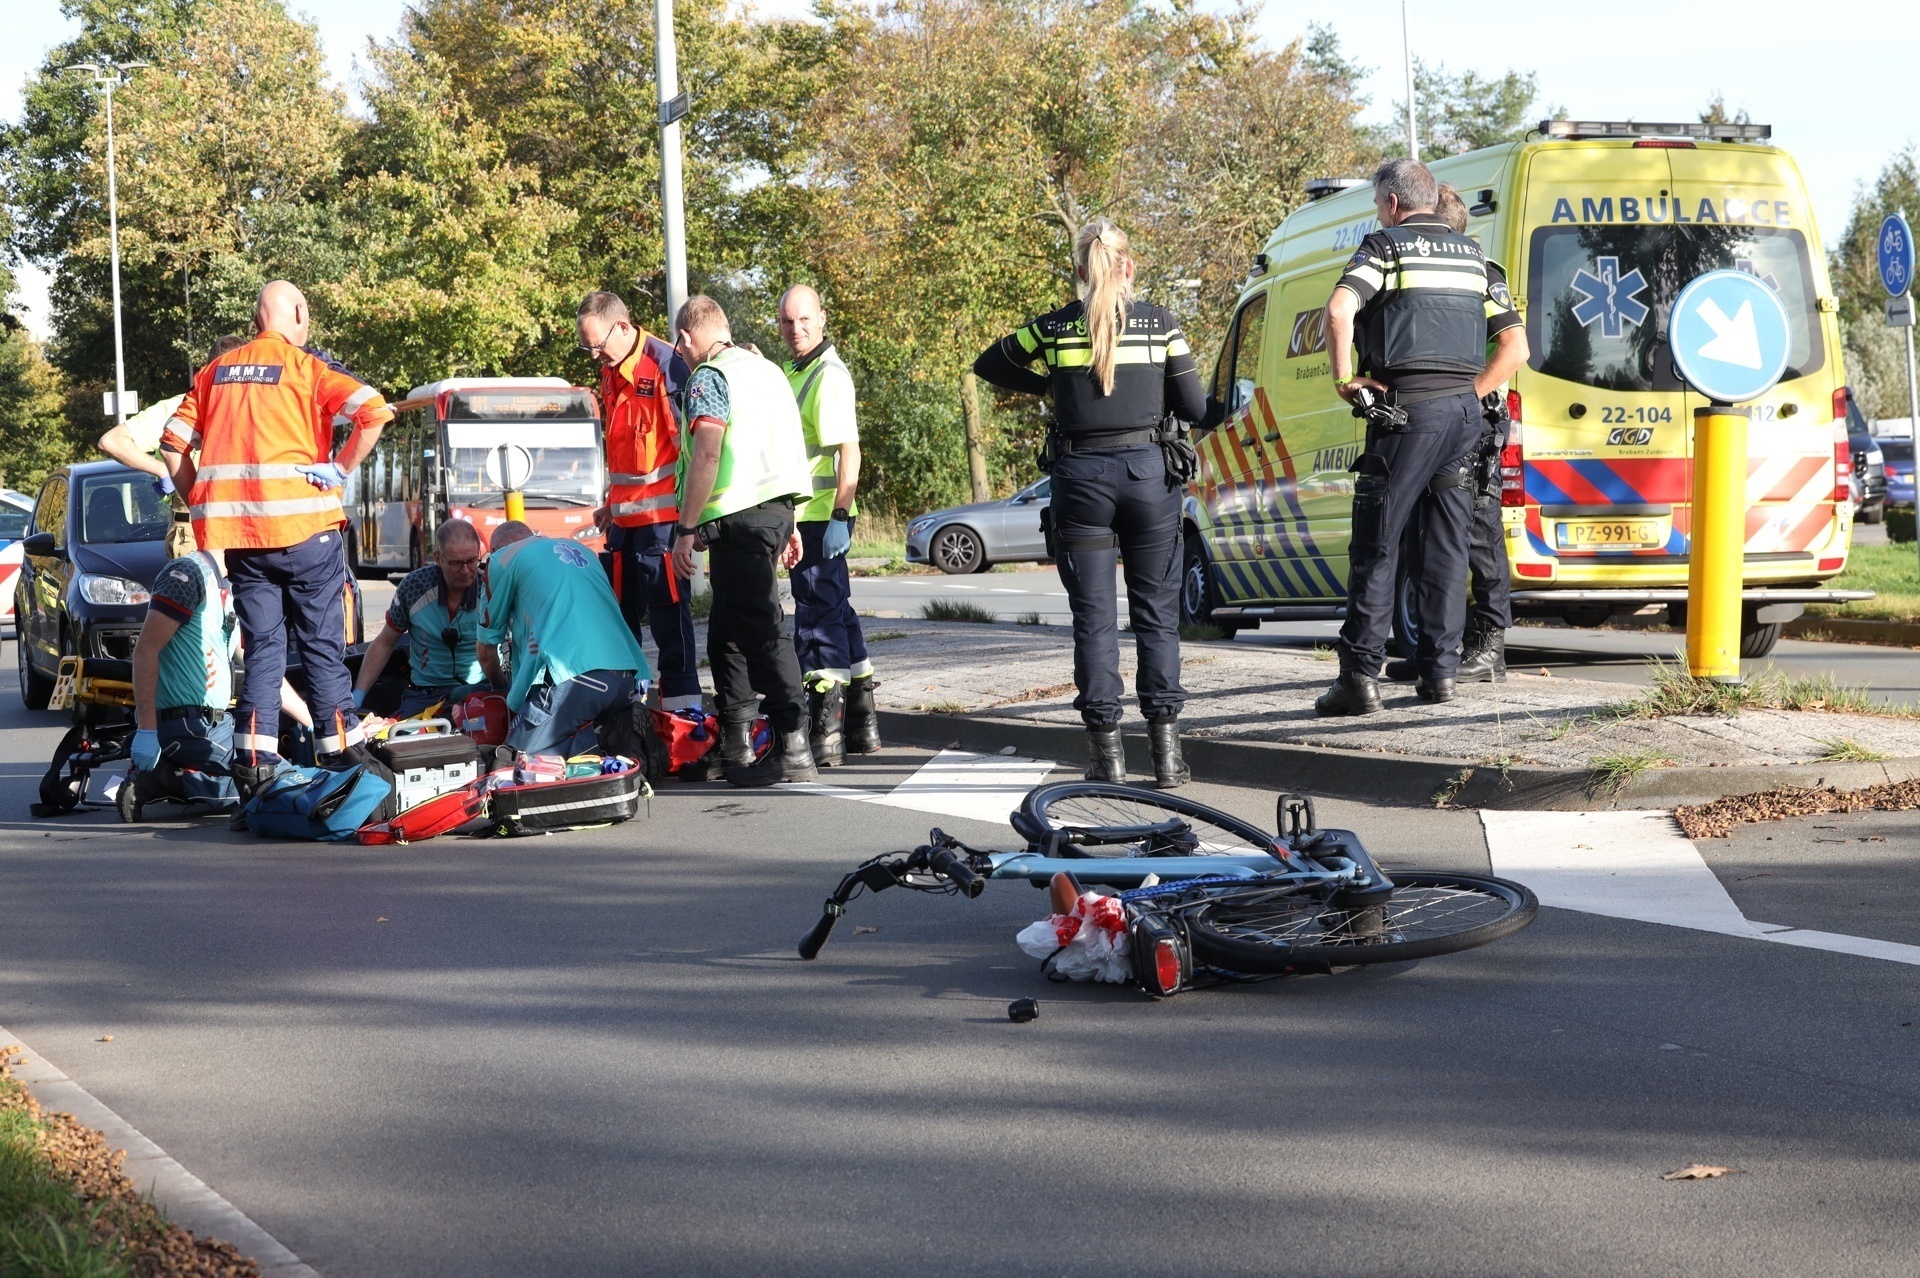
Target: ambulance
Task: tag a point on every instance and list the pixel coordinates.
(1598, 225)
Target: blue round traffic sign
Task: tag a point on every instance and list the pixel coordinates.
(1729, 336)
(1895, 247)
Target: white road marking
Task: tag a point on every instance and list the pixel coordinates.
(981, 787)
(1638, 865)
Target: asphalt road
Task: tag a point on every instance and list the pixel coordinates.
(595, 1053)
(1615, 656)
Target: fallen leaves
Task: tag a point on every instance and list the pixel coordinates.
(1717, 819)
(104, 1038)
(1703, 1171)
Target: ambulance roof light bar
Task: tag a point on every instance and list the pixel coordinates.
(1579, 130)
(1320, 188)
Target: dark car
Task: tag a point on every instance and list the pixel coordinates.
(1899, 454)
(95, 545)
(1869, 467)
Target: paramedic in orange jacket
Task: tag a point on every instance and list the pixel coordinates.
(639, 374)
(266, 491)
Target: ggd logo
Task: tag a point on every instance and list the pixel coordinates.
(1631, 437)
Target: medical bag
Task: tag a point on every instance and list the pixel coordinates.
(323, 804)
(565, 805)
(437, 815)
(428, 758)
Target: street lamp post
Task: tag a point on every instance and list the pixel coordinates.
(673, 105)
(109, 76)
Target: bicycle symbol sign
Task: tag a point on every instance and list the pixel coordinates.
(1896, 255)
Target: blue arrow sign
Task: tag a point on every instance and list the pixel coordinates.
(1730, 336)
(1896, 255)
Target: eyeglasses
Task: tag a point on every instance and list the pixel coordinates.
(598, 348)
(462, 564)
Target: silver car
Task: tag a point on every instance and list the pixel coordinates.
(974, 538)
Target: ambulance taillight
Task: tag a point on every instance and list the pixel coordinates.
(1842, 459)
(1513, 465)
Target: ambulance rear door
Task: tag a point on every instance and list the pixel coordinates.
(1230, 486)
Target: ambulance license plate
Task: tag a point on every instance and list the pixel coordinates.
(1612, 534)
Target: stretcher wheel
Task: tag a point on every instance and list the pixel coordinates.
(65, 782)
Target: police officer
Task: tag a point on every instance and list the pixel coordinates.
(265, 489)
(1117, 368)
(1483, 653)
(438, 608)
(743, 469)
(1420, 299)
(834, 665)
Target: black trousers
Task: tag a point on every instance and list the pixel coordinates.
(1490, 601)
(748, 650)
(1397, 477)
(1110, 505)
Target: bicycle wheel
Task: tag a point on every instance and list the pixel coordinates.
(1250, 930)
(1100, 818)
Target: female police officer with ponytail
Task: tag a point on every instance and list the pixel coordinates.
(1118, 369)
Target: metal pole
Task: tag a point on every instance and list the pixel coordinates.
(1406, 43)
(113, 234)
(1717, 554)
(672, 208)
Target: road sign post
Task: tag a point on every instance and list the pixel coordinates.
(1729, 336)
(1894, 249)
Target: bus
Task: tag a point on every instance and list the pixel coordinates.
(431, 466)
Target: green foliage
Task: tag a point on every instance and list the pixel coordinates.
(1875, 355)
(956, 610)
(46, 1228)
(34, 438)
(1463, 112)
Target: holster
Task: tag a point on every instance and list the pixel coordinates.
(1486, 471)
(1046, 525)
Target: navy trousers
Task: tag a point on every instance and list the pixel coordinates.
(196, 751)
(640, 563)
(826, 630)
(560, 718)
(292, 596)
(1490, 605)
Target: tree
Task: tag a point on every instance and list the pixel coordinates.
(1464, 112)
(1875, 356)
(1716, 112)
(33, 434)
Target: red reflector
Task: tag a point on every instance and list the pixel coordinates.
(1842, 455)
(1513, 405)
(1166, 964)
(1666, 144)
(1832, 565)
(1840, 404)
(1534, 570)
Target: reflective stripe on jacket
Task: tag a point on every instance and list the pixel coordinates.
(764, 452)
(643, 440)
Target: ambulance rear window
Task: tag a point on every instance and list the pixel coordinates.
(1598, 296)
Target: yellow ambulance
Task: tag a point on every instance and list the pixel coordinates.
(1598, 225)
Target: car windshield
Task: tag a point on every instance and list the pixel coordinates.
(1601, 297)
(120, 508)
(13, 522)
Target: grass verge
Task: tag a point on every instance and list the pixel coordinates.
(956, 610)
(1843, 750)
(1608, 773)
(1715, 820)
(1676, 692)
(1892, 571)
(1029, 619)
(66, 1209)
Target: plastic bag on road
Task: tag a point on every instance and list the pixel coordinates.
(1090, 944)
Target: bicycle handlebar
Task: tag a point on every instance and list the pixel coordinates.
(810, 943)
(954, 868)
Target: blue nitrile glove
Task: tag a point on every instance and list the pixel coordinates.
(836, 538)
(164, 485)
(146, 749)
(324, 475)
(359, 698)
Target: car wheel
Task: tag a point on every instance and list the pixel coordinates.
(1197, 593)
(1874, 514)
(957, 549)
(36, 690)
(1757, 638)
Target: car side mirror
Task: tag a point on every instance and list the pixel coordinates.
(41, 544)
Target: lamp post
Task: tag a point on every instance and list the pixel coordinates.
(673, 105)
(108, 76)
(1406, 45)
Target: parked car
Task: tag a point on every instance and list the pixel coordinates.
(16, 512)
(1869, 482)
(974, 538)
(96, 543)
(1899, 455)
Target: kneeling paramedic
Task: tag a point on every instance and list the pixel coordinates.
(575, 662)
(438, 609)
(183, 684)
(1420, 299)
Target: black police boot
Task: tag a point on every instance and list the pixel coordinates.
(791, 759)
(1401, 670)
(736, 743)
(1170, 769)
(1354, 692)
(1434, 689)
(863, 717)
(1107, 757)
(826, 724)
(1485, 658)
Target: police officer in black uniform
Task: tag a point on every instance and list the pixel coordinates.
(1119, 370)
(1483, 652)
(1419, 296)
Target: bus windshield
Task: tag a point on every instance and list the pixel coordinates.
(1601, 296)
(566, 461)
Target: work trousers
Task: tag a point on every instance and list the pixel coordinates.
(295, 595)
(196, 752)
(1490, 605)
(1421, 470)
(826, 631)
(561, 718)
(1112, 505)
(640, 564)
(748, 650)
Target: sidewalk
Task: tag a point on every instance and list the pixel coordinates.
(1512, 740)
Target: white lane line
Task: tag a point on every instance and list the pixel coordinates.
(1639, 866)
(981, 787)
(187, 1200)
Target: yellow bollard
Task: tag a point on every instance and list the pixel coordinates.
(517, 505)
(1717, 567)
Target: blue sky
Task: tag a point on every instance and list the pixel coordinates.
(1834, 79)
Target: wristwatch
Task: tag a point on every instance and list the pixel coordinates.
(681, 530)
(840, 513)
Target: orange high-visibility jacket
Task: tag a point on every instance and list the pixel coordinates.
(256, 415)
(643, 440)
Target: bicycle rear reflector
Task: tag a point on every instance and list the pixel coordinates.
(1162, 963)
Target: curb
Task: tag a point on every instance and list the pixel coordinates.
(1894, 634)
(1403, 780)
(186, 1199)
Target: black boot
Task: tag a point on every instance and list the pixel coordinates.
(1354, 692)
(137, 789)
(736, 743)
(1485, 658)
(1434, 689)
(1170, 769)
(826, 724)
(1401, 670)
(862, 717)
(1107, 757)
(790, 760)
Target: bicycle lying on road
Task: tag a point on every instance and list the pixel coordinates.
(1206, 896)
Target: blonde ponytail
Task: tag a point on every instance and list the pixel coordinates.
(1106, 287)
